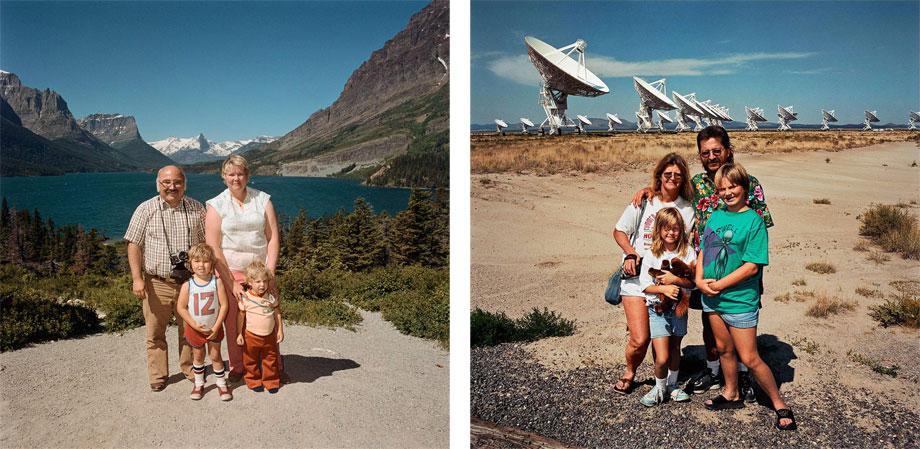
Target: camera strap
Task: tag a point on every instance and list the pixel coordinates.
(188, 228)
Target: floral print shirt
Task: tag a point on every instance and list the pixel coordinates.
(706, 200)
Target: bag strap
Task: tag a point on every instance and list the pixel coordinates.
(632, 238)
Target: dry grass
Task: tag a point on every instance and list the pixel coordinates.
(821, 268)
(901, 308)
(868, 293)
(821, 201)
(568, 153)
(878, 257)
(893, 228)
(826, 306)
(799, 282)
(800, 296)
(873, 364)
(806, 345)
(862, 246)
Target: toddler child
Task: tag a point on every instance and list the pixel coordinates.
(258, 318)
(203, 306)
(669, 240)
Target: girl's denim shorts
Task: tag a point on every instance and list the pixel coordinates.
(742, 320)
(667, 324)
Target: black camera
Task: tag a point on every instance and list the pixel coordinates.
(180, 272)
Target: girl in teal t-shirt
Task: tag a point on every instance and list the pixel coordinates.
(733, 249)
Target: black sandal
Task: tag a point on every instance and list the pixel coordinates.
(785, 413)
(720, 403)
(630, 385)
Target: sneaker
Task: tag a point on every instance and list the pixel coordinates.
(703, 382)
(678, 395)
(197, 392)
(159, 386)
(273, 390)
(225, 394)
(746, 385)
(654, 397)
(258, 389)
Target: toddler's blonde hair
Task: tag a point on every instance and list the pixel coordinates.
(257, 270)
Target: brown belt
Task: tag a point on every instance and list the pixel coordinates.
(162, 279)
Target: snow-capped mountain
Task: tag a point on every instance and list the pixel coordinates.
(189, 150)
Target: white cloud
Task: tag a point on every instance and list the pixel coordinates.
(520, 70)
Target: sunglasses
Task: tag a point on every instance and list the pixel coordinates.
(715, 153)
(673, 175)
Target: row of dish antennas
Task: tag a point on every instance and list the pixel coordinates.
(527, 125)
(786, 115)
(565, 75)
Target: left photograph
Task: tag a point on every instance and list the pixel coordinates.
(231, 210)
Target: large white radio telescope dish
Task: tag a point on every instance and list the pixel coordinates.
(827, 117)
(912, 119)
(785, 115)
(582, 122)
(562, 76)
(525, 124)
(754, 115)
(500, 126)
(652, 96)
(662, 119)
(687, 109)
(871, 117)
(612, 121)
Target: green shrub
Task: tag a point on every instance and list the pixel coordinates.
(121, 316)
(900, 309)
(882, 218)
(370, 289)
(489, 329)
(330, 313)
(29, 318)
(303, 284)
(420, 313)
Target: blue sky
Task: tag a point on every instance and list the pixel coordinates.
(845, 56)
(231, 70)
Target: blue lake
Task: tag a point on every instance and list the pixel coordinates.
(105, 201)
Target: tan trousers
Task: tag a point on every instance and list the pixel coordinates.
(159, 307)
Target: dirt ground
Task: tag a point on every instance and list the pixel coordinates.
(545, 241)
(370, 388)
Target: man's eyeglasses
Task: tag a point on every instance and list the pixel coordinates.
(716, 153)
(176, 184)
(670, 175)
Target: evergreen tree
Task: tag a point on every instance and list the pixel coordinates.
(417, 233)
(82, 253)
(358, 239)
(294, 240)
(4, 231)
(14, 246)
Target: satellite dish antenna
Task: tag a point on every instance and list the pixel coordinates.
(662, 119)
(785, 115)
(562, 76)
(500, 126)
(723, 111)
(871, 117)
(827, 117)
(754, 115)
(651, 96)
(525, 124)
(613, 120)
(582, 122)
(912, 119)
(686, 109)
(714, 118)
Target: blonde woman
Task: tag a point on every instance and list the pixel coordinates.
(242, 227)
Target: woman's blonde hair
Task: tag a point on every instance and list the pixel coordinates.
(736, 174)
(668, 160)
(234, 159)
(667, 218)
(201, 251)
(257, 270)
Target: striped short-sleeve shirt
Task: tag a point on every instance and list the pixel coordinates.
(183, 223)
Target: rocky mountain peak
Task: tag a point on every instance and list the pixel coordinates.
(9, 79)
(203, 143)
(44, 112)
(111, 128)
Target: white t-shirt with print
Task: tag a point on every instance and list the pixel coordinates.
(650, 261)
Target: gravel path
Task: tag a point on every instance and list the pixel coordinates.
(578, 407)
(370, 388)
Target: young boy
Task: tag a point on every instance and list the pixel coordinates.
(203, 306)
(261, 315)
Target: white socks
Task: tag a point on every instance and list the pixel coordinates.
(672, 378)
(661, 383)
(713, 366)
(219, 378)
(199, 374)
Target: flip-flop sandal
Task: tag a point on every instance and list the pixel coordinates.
(630, 385)
(785, 413)
(720, 403)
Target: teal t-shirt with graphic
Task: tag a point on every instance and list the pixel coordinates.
(729, 240)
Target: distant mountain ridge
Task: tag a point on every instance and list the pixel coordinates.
(191, 150)
(395, 105)
(41, 136)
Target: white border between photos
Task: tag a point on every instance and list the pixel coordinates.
(460, 224)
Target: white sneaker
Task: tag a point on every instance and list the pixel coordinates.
(677, 394)
(654, 397)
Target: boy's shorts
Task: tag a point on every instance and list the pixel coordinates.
(667, 324)
(197, 340)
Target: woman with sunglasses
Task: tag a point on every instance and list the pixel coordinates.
(670, 186)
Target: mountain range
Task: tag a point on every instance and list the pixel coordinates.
(190, 150)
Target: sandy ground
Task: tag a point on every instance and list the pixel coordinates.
(370, 388)
(546, 242)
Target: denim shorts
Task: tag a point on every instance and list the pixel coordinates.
(667, 324)
(743, 320)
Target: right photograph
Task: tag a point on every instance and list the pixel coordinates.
(694, 224)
